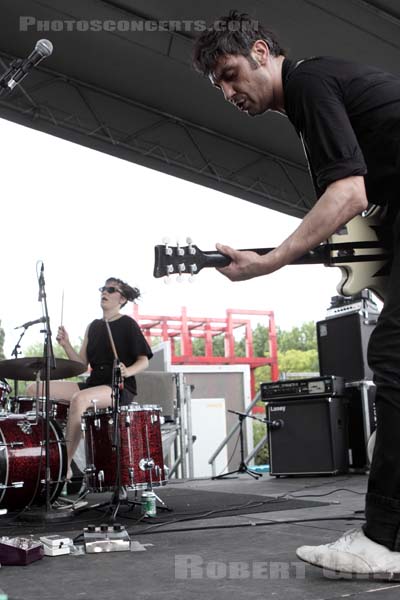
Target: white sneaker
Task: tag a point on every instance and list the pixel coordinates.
(356, 554)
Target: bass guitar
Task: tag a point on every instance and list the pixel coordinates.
(357, 249)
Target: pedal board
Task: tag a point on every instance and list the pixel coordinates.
(106, 538)
(19, 551)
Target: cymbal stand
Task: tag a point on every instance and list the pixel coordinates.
(49, 361)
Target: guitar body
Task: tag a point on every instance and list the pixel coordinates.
(372, 270)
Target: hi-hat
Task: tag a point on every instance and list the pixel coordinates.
(26, 369)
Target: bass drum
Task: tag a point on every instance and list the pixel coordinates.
(23, 461)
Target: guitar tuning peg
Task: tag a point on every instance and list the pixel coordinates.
(167, 279)
(191, 250)
(168, 249)
(180, 251)
(166, 240)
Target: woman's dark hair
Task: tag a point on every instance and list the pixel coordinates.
(232, 34)
(128, 292)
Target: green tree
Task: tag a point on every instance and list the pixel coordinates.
(37, 350)
(298, 338)
(261, 340)
(298, 361)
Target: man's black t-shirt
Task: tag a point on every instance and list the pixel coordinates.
(348, 117)
(129, 343)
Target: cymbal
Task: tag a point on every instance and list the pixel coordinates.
(26, 369)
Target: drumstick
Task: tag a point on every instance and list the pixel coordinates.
(111, 340)
(62, 308)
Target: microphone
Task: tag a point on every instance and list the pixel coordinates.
(43, 49)
(41, 283)
(29, 323)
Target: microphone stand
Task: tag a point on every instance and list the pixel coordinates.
(116, 388)
(49, 361)
(5, 78)
(16, 351)
(243, 468)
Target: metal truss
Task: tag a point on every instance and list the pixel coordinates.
(96, 117)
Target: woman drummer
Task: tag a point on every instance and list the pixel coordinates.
(132, 350)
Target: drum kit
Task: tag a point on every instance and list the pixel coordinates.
(24, 450)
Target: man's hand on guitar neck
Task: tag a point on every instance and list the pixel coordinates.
(246, 264)
(341, 201)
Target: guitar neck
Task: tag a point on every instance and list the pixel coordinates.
(212, 258)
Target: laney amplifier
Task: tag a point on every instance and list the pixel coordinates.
(312, 436)
(300, 388)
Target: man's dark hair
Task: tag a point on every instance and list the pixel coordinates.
(232, 34)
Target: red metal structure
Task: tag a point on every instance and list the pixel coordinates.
(184, 329)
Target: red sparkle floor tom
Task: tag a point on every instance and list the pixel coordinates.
(141, 455)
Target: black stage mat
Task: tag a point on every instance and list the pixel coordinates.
(181, 504)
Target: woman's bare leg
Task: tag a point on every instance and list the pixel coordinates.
(80, 402)
(59, 390)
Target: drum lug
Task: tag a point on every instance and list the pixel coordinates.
(90, 470)
(146, 464)
(100, 478)
(16, 484)
(131, 475)
(25, 427)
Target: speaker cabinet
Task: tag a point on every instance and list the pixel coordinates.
(342, 346)
(311, 436)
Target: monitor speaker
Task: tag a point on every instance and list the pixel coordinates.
(310, 436)
(342, 346)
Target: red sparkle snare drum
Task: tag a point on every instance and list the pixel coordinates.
(23, 461)
(141, 456)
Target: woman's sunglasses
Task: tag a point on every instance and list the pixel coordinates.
(110, 289)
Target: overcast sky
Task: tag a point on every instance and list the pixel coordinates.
(88, 215)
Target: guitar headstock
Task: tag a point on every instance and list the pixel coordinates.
(178, 259)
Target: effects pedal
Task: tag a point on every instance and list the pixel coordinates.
(56, 545)
(106, 538)
(19, 551)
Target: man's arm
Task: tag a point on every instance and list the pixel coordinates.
(341, 201)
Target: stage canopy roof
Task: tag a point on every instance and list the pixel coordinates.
(120, 81)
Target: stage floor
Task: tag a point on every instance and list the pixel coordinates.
(230, 557)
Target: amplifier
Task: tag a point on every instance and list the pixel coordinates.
(312, 438)
(342, 346)
(299, 388)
